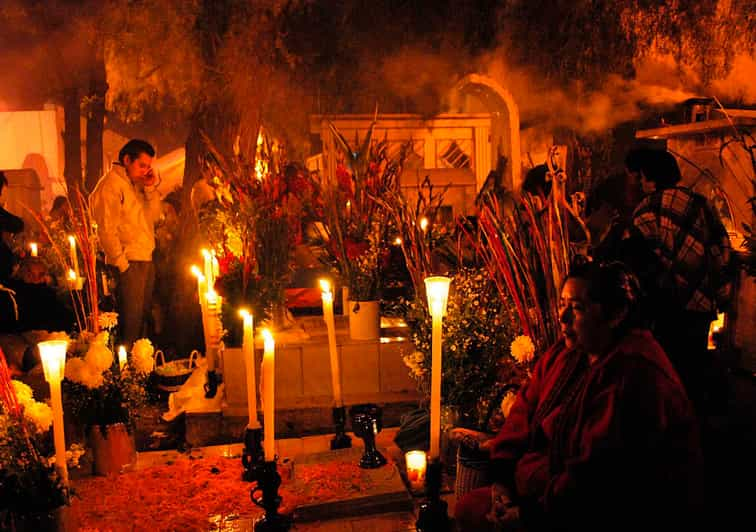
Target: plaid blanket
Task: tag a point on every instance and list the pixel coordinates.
(696, 269)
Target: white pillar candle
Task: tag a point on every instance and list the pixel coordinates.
(248, 353)
(437, 289)
(327, 297)
(53, 355)
(209, 278)
(122, 357)
(213, 327)
(74, 255)
(34, 249)
(268, 371)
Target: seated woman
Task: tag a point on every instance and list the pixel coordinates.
(603, 437)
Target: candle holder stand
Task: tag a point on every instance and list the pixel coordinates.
(268, 482)
(367, 422)
(433, 515)
(340, 440)
(252, 455)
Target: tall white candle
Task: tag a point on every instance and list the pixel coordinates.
(209, 278)
(201, 286)
(34, 249)
(327, 296)
(248, 353)
(122, 357)
(53, 355)
(437, 289)
(74, 255)
(268, 367)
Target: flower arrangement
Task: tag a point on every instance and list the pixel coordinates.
(99, 393)
(355, 220)
(253, 225)
(29, 483)
(477, 367)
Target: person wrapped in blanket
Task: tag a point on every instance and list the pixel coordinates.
(681, 252)
(603, 436)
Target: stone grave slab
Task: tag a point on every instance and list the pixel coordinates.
(370, 491)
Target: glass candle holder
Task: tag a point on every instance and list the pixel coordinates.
(417, 463)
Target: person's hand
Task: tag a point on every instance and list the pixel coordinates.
(504, 513)
(151, 179)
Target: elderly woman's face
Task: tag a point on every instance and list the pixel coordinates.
(583, 322)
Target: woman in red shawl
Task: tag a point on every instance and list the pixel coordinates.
(603, 437)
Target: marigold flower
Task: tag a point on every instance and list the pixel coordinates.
(523, 349)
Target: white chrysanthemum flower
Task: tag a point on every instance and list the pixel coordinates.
(141, 356)
(24, 393)
(39, 414)
(101, 338)
(74, 367)
(90, 377)
(108, 320)
(523, 349)
(507, 402)
(98, 357)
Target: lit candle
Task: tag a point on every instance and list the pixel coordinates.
(268, 371)
(200, 281)
(73, 280)
(248, 353)
(437, 289)
(121, 357)
(213, 327)
(53, 355)
(327, 296)
(74, 255)
(34, 250)
(208, 268)
(416, 465)
(424, 224)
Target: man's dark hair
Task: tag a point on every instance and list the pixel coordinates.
(3, 181)
(134, 148)
(658, 166)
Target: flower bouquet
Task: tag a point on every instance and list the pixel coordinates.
(355, 221)
(31, 491)
(478, 363)
(253, 226)
(105, 396)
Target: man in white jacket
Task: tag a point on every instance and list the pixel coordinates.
(126, 205)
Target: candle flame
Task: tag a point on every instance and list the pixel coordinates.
(197, 273)
(398, 241)
(71, 275)
(244, 313)
(325, 285)
(424, 223)
(205, 253)
(72, 240)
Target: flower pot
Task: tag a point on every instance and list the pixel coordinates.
(364, 320)
(113, 448)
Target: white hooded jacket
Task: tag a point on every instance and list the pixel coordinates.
(126, 215)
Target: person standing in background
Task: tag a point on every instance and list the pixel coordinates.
(126, 206)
